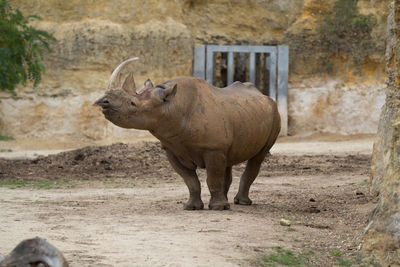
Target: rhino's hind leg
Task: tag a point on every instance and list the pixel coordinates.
(248, 177)
(228, 181)
(191, 181)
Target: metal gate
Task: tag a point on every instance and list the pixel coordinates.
(274, 66)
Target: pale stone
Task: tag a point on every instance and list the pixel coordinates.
(335, 108)
(285, 222)
(72, 117)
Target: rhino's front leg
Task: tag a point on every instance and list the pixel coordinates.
(216, 167)
(191, 181)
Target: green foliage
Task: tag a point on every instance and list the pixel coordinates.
(34, 184)
(343, 262)
(283, 257)
(13, 184)
(346, 31)
(21, 48)
(6, 138)
(335, 253)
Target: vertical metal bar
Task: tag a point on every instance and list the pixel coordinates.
(267, 69)
(268, 62)
(231, 69)
(257, 71)
(199, 66)
(252, 68)
(283, 75)
(271, 63)
(210, 66)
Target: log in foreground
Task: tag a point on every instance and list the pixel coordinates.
(34, 252)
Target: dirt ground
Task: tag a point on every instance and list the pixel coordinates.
(121, 205)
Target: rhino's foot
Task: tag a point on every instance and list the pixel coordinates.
(193, 205)
(219, 205)
(242, 200)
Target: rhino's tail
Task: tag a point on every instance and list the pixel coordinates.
(276, 128)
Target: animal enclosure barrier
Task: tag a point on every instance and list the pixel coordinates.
(267, 67)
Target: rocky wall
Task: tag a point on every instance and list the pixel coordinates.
(95, 36)
(335, 107)
(381, 245)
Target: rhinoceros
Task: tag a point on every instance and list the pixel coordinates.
(199, 126)
(34, 252)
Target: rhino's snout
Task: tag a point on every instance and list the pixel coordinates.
(102, 102)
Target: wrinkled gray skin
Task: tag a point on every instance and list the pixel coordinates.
(34, 252)
(199, 126)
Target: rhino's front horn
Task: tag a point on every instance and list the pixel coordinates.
(115, 79)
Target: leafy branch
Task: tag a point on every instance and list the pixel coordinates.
(21, 48)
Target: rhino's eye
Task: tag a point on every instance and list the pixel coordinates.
(133, 104)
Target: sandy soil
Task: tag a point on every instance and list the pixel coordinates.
(121, 205)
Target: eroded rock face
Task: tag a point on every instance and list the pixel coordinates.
(94, 37)
(82, 60)
(382, 237)
(335, 107)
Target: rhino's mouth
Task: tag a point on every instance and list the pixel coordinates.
(105, 105)
(108, 110)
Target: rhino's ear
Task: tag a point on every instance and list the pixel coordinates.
(148, 84)
(166, 92)
(170, 92)
(129, 85)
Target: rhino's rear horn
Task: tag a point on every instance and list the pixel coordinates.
(129, 85)
(115, 79)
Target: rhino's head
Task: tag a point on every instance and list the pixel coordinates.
(126, 108)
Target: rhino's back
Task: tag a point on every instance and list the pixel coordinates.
(252, 116)
(237, 119)
(237, 89)
(198, 86)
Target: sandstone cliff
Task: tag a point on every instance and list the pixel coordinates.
(328, 92)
